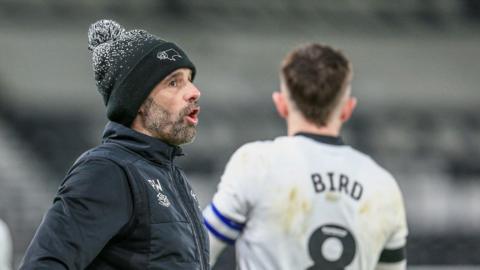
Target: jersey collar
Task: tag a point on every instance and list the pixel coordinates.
(322, 138)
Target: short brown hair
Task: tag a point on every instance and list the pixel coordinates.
(316, 75)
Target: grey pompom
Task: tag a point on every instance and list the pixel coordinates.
(103, 31)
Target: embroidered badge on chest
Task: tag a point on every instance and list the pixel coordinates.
(162, 198)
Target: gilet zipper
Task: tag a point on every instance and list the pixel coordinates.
(188, 214)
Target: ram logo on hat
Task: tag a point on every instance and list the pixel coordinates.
(169, 54)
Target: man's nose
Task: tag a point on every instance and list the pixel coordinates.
(193, 93)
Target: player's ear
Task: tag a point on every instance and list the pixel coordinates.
(348, 109)
(280, 102)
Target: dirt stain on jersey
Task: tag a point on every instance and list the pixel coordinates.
(379, 215)
(296, 212)
(365, 207)
(291, 210)
(332, 196)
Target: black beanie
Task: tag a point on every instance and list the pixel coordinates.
(128, 65)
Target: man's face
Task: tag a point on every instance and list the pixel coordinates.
(170, 112)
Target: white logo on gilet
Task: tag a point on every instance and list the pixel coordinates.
(162, 198)
(194, 196)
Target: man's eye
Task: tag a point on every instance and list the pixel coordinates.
(172, 83)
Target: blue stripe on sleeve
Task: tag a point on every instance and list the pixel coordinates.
(230, 223)
(218, 234)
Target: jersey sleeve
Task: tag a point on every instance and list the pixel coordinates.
(91, 206)
(394, 252)
(227, 214)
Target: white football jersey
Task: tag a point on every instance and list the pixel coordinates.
(308, 202)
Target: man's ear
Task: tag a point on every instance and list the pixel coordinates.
(142, 111)
(348, 109)
(280, 102)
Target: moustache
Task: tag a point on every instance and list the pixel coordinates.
(189, 109)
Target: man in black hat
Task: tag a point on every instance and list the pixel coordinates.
(124, 204)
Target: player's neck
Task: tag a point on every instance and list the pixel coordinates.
(295, 126)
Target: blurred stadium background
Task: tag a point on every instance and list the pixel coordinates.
(417, 69)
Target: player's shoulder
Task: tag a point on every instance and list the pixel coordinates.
(260, 147)
(264, 148)
(4, 233)
(368, 163)
(3, 227)
(262, 152)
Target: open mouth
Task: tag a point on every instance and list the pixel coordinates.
(192, 117)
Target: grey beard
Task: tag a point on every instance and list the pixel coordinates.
(159, 123)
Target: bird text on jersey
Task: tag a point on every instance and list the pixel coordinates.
(337, 182)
